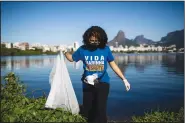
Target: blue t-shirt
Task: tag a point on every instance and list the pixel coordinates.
(94, 61)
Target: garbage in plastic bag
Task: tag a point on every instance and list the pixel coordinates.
(61, 94)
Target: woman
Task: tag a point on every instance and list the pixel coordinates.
(95, 55)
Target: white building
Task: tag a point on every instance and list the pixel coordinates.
(24, 45)
(37, 45)
(75, 46)
(111, 48)
(131, 48)
(159, 48)
(16, 45)
(54, 48)
(45, 48)
(181, 50)
(62, 47)
(138, 48)
(69, 47)
(7, 44)
(120, 48)
(148, 48)
(31, 48)
(125, 48)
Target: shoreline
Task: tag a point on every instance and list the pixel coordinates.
(112, 52)
(39, 52)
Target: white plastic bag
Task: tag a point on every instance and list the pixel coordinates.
(61, 94)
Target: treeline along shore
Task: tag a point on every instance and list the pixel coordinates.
(19, 52)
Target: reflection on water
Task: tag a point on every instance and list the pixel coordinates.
(76, 65)
(157, 80)
(139, 61)
(11, 63)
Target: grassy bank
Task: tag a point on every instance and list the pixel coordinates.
(161, 116)
(16, 107)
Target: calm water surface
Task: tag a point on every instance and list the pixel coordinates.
(157, 80)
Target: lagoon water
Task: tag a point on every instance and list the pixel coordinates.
(157, 80)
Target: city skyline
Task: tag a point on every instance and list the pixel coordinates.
(65, 22)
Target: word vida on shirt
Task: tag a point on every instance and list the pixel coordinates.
(94, 63)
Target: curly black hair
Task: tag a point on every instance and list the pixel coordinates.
(99, 33)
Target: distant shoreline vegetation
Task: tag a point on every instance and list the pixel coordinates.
(18, 52)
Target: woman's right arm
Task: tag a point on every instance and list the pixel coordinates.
(76, 56)
(68, 56)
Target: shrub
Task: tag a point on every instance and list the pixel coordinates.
(161, 116)
(16, 107)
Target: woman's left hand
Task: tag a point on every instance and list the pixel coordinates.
(127, 85)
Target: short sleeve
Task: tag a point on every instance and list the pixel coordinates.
(76, 56)
(110, 57)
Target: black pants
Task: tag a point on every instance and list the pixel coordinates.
(95, 102)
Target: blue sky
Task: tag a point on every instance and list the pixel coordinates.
(65, 22)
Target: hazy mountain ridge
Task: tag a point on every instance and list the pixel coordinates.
(140, 39)
(176, 37)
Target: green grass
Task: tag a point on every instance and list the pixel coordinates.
(161, 116)
(16, 107)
